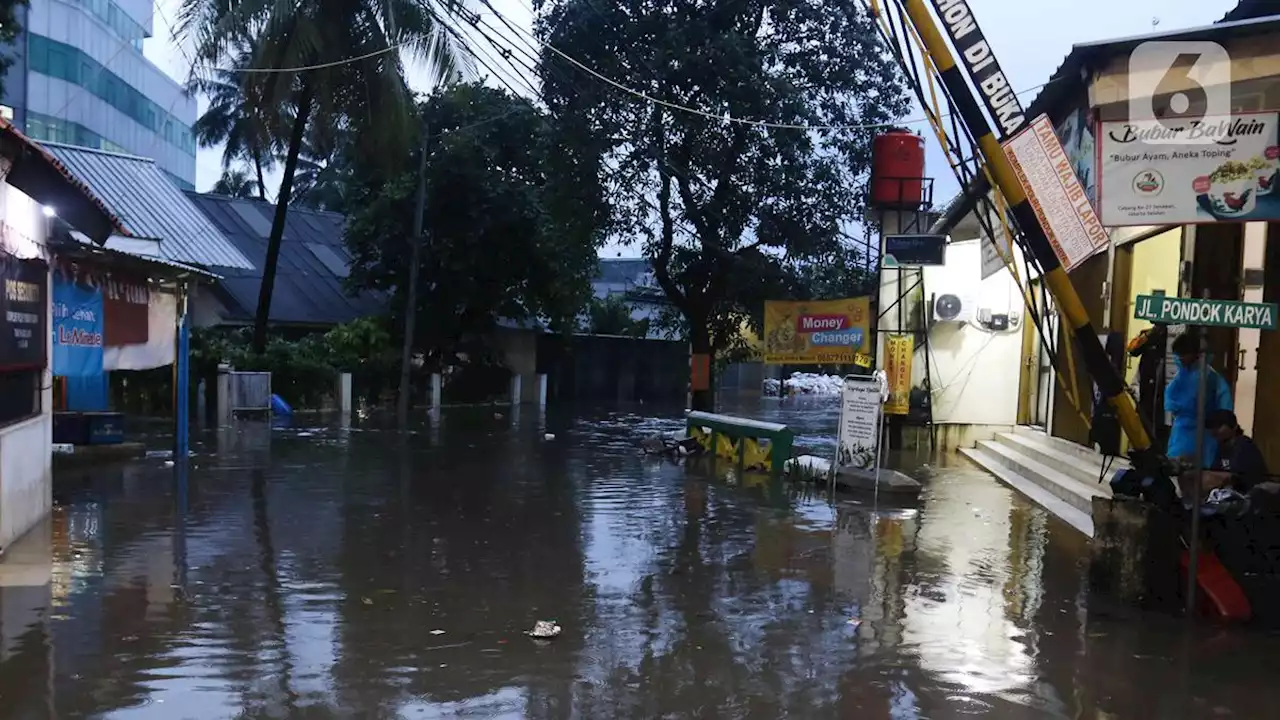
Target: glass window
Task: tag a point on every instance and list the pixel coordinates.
(55, 59)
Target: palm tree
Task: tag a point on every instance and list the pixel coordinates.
(236, 183)
(325, 171)
(235, 118)
(335, 63)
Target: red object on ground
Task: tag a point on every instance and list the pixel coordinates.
(1226, 599)
(897, 169)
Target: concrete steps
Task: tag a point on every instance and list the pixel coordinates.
(1056, 474)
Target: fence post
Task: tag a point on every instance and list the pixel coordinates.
(224, 394)
(515, 388)
(542, 389)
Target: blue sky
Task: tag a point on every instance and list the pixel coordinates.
(1030, 38)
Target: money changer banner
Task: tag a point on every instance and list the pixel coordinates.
(813, 332)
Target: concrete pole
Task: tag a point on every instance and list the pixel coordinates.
(437, 392)
(343, 391)
(224, 395)
(542, 389)
(515, 388)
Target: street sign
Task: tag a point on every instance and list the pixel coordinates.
(1195, 311)
(918, 250)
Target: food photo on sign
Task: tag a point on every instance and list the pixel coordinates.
(1216, 169)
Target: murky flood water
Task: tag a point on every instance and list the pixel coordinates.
(321, 573)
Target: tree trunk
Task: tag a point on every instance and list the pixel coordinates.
(700, 344)
(277, 223)
(262, 183)
(415, 265)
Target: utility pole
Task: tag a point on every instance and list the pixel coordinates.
(415, 262)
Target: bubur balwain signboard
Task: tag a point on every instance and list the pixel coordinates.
(813, 332)
(1214, 169)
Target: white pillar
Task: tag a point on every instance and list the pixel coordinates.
(437, 399)
(542, 389)
(224, 394)
(515, 389)
(343, 391)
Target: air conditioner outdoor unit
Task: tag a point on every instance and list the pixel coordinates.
(953, 307)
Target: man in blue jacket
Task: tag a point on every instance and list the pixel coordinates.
(1180, 400)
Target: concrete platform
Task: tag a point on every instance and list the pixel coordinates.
(894, 485)
(93, 454)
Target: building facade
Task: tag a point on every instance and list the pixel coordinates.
(79, 77)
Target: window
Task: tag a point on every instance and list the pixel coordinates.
(19, 395)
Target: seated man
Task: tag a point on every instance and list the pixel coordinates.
(1240, 465)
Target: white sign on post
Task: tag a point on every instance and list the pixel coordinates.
(1219, 168)
(995, 251)
(858, 440)
(1049, 179)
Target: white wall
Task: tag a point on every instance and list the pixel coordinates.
(974, 371)
(26, 447)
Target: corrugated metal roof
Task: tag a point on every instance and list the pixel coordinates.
(98, 221)
(307, 290)
(137, 191)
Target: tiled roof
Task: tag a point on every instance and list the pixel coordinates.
(150, 206)
(309, 277)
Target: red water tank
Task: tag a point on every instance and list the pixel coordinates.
(897, 169)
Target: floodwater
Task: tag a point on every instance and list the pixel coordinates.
(330, 573)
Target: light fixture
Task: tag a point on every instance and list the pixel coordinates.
(50, 211)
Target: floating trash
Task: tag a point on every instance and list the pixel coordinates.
(545, 630)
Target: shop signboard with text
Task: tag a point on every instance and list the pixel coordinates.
(24, 321)
(813, 332)
(1216, 169)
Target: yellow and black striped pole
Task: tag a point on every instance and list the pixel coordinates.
(1108, 379)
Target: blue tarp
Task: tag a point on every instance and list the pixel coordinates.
(77, 342)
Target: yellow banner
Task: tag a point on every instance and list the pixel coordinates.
(898, 350)
(813, 332)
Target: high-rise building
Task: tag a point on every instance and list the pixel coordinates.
(79, 78)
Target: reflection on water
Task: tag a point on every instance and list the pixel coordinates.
(350, 572)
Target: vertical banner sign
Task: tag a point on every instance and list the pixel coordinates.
(859, 436)
(24, 322)
(1047, 176)
(124, 307)
(77, 328)
(898, 350)
(980, 63)
(700, 372)
(812, 332)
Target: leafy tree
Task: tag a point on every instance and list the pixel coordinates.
(509, 230)
(714, 200)
(612, 316)
(10, 29)
(236, 117)
(236, 183)
(334, 63)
